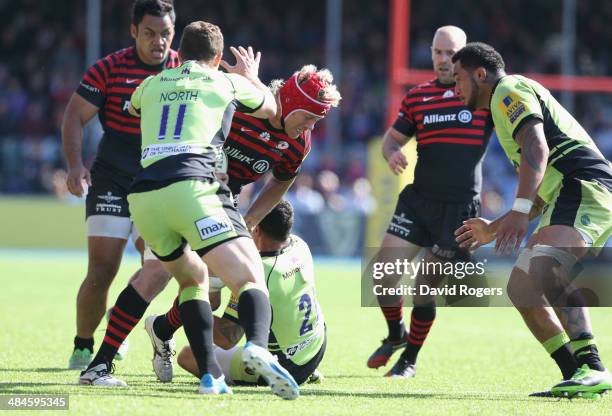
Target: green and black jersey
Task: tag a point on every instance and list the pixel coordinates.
(186, 114)
(572, 152)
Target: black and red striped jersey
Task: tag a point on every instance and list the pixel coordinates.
(254, 147)
(451, 141)
(109, 84)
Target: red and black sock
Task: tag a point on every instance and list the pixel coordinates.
(124, 316)
(166, 325)
(394, 315)
(421, 320)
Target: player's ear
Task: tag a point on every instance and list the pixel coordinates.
(133, 31)
(481, 74)
(217, 60)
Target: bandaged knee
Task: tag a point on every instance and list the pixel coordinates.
(565, 259)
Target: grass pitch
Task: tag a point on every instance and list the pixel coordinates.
(475, 361)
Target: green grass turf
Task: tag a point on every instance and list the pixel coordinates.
(476, 361)
(43, 222)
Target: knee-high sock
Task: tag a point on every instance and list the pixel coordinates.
(392, 308)
(255, 315)
(124, 316)
(197, 319)
(560, 350)
(421, 320)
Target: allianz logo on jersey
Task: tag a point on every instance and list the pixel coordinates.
(238, 155)
(214, 225)
(464, 116)
(259, 166)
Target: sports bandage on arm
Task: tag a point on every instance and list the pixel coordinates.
(522, 205)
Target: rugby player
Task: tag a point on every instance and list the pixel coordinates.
(105, 90)
(451, 142)
(557, 162)
(280, 144)
(297, 334)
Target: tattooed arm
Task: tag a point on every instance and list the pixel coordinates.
(534, 158)
(226, 333)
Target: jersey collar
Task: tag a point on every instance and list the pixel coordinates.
(279, 251)
(493, 89)
(440, 84)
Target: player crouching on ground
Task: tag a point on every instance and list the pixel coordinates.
(297, 334)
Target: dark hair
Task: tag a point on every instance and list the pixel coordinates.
(201, 41)
(478, 54)
(158, 8)
(278, 223)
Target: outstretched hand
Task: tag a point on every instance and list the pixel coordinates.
(247, 62)
(474, 233)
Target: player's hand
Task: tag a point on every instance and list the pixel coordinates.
(510, 232)
(397, 162)
(247, 62)
(78, 180)
(474, 233)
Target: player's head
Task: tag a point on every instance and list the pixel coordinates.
(203, 42)
(153, 29)
(477, 67)
(446, 42)
(305, 98)
(276, 226)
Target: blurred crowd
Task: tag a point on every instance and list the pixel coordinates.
(43, 47)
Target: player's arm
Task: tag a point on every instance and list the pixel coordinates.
(268, 107)
(534, 158)
(393, 142)
(77, 114)
(398, 135)
(269, 196)
(226, 333)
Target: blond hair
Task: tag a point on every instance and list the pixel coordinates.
(328, 94)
